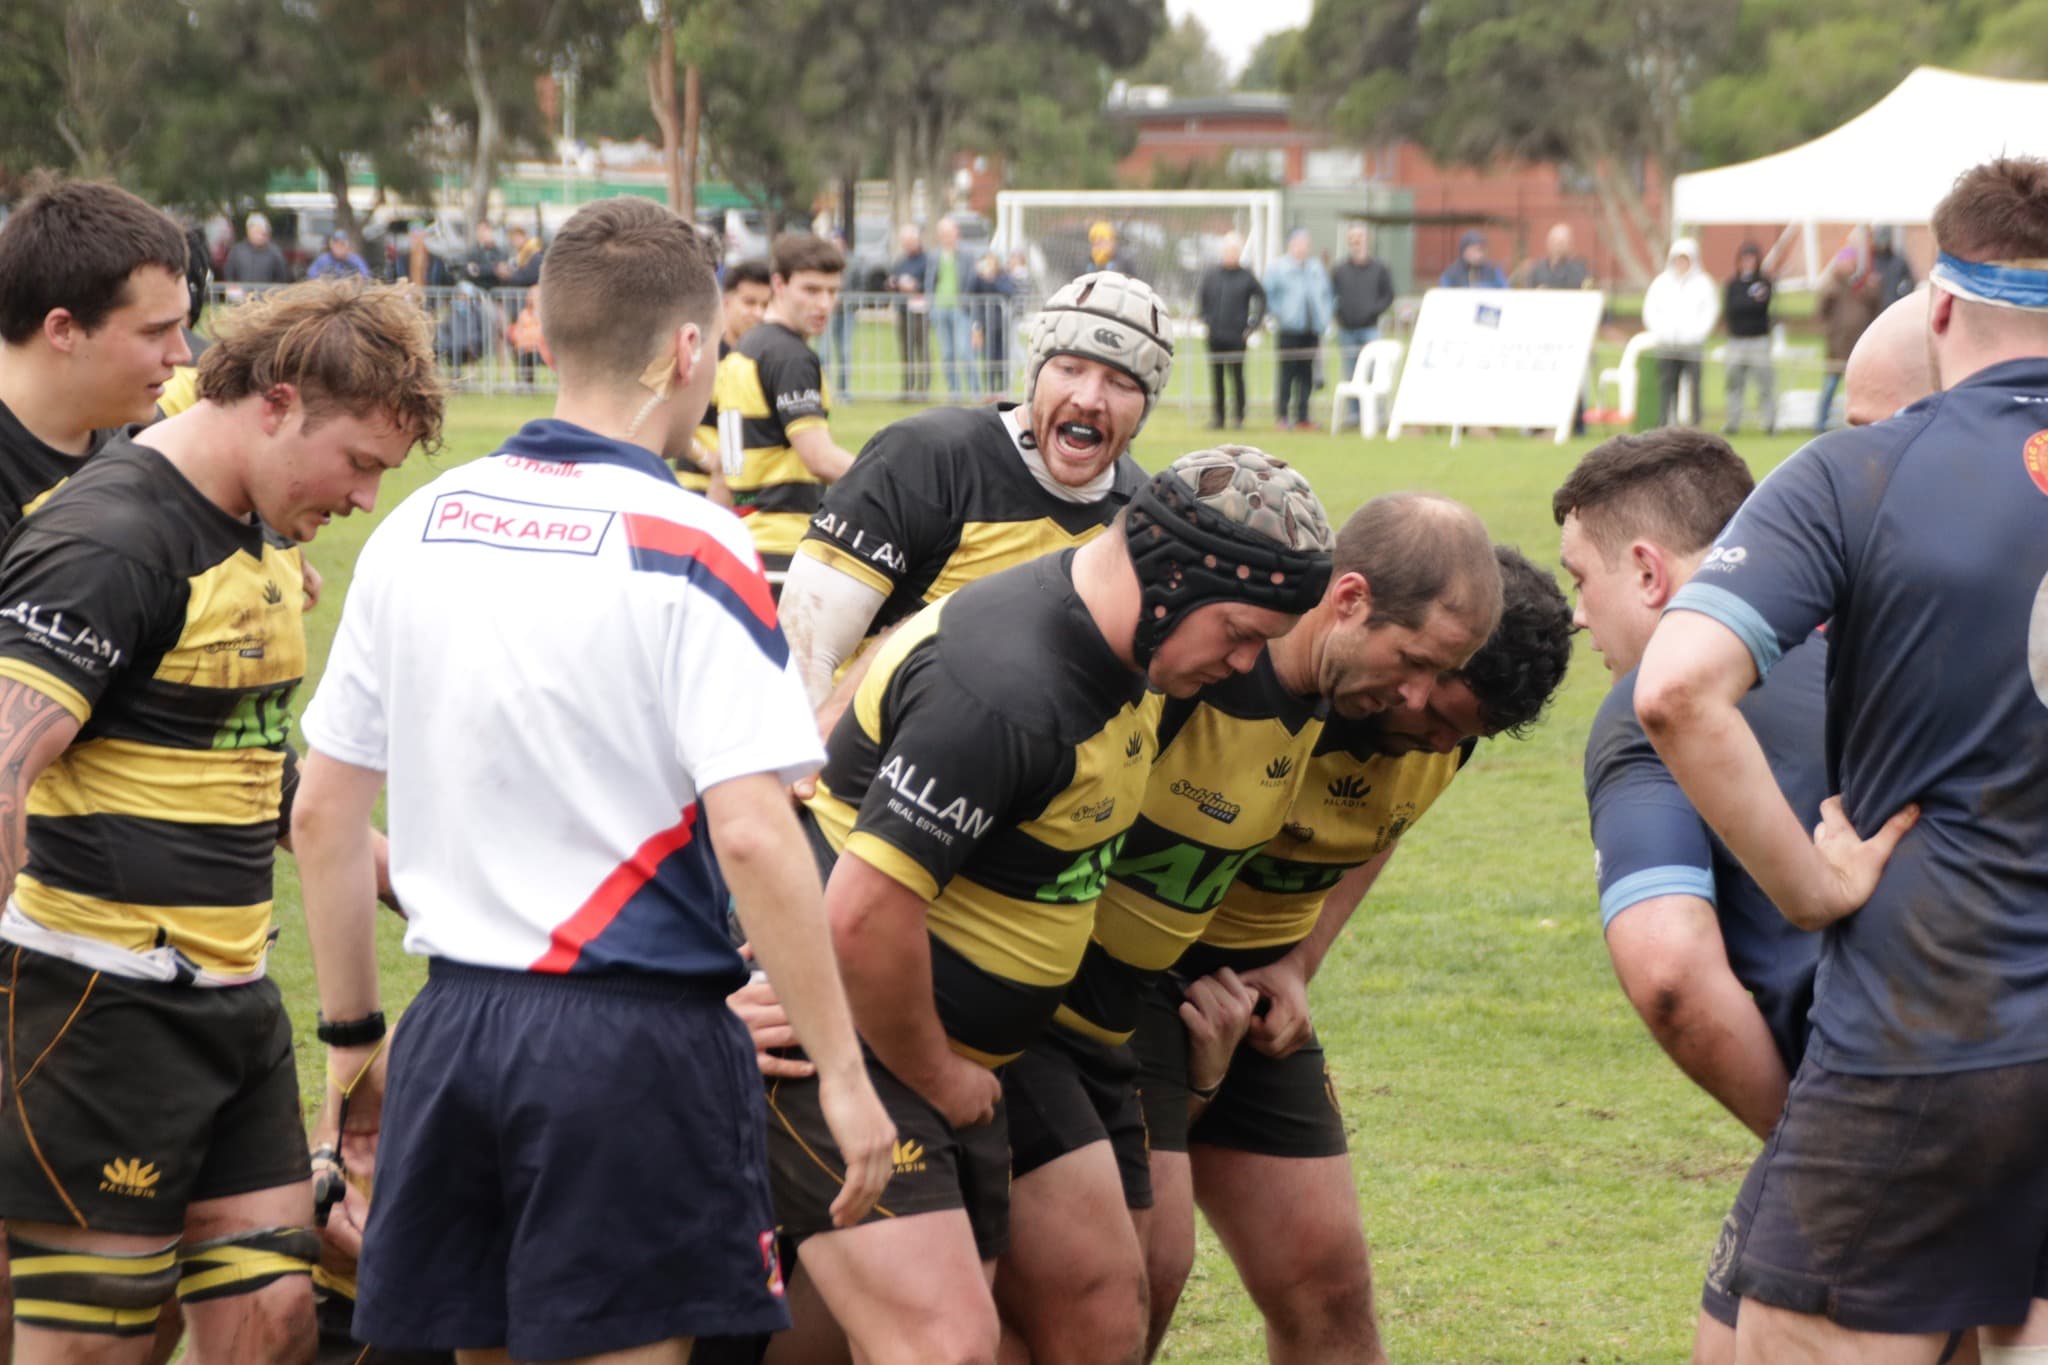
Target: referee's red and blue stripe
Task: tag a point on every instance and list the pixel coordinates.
(669, 547)
(653, 912)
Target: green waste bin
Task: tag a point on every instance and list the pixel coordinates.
(1646, 389)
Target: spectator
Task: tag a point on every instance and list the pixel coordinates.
(1846, 303)
(1020, 276)
(1299, 299)
(339, 259)
(1679, 313)
(993, 290)
(480, 266)
(256, 260)
(1102, 252)
(1365, 289)
(913, 311)
(1557, 268)
(947, 271)
(838, 333)
(1894, 272)
(1233, 305)
(1472, 270)
(522, 271)
(1747, 306)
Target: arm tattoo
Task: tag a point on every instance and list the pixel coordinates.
(26, 718)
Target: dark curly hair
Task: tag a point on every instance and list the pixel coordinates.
(1518, 669)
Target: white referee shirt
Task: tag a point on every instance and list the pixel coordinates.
(550, 652)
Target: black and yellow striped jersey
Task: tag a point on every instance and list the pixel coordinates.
(171, 632)
(696, 480)
(938, 500)
(991, 761)
(30, 470)
(770, 389)
(1354, 804)
(1231, 760)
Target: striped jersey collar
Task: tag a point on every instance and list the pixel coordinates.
(549, 438)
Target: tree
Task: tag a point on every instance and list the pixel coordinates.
(1262, 70)
(1183, 59)
(1601, 84)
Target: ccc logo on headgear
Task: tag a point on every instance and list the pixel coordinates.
(1105, 337)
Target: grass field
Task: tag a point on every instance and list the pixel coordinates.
(1539, 1182)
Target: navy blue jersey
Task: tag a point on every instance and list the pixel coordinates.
(1924, 539)
(1649, 841)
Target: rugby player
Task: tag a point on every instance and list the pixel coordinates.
(1902, 1197)
(745, 290)
(1257, 1129)
(570, 1161)
(1721, 979)
(774, 442)
(92, 313)
(973, 793)
(1414, 591)
(950, 495)
(1888, 367)
(149, 651)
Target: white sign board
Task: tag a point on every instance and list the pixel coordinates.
(1497, 358)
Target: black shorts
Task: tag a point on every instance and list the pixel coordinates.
(1067, 1091)
(938, 1166)
(1285, 1107)
(127, 1101)
(1903, 1204)
(1717, 1301)
(569, 1165)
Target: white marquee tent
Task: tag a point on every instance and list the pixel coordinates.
(1890, 164)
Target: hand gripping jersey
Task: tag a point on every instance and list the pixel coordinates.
(551, 652)
(1231, 761)
(770, 388)
(1649, 841)
(171, 632)
(1923, 542)
(1355, 803)
(938, 500)
(991, 761)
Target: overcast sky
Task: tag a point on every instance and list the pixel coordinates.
(1235, 26)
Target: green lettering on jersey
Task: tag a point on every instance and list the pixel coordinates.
(259, 721)
(1185, 876)
(1084, 878)
(1283, 877)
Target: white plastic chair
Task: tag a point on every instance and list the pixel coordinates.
(1372, 379)
(1624, 376)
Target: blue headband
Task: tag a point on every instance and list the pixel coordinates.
(2006, 284)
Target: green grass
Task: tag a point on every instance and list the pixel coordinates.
(1539, 1182)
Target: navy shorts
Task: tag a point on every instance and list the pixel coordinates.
(1068, 1091)
(569, 1165)
(1908, 1204)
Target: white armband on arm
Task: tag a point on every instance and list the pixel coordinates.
(825, 615)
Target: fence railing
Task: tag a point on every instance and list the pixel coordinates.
(878, 347)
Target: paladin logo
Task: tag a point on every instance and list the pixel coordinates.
(1277, 770)
(130, 1176)
(908, 1156)
(1349, 791)
(271, 593)
(1135, 746)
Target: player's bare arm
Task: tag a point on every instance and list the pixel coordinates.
(34, 729)
(1287, 1024)
(1672, 963)
(885, 955)
(1217, 1012)
(1692, 675)
(821, 455)
(755, 831)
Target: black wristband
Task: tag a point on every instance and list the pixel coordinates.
(1205, 1093)
(352, 1032)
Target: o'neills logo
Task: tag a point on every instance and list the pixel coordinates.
(1213, 804)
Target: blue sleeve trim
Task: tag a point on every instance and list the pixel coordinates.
(1652, 882)
(1739, 616)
